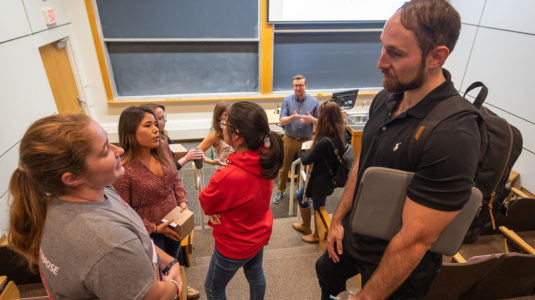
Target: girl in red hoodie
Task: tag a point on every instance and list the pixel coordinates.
(238, 198)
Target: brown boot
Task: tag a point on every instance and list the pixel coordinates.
(311, 238)
(305, 226)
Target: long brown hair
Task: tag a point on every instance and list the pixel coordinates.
(249, 120)
(330, 124)
(128, 124)
(153, 106)
(219, 109)
(50, 147)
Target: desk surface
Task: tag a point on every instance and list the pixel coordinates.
(273, 116)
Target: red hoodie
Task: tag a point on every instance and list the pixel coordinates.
(241, 195)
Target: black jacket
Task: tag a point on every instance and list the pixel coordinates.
(320, 182)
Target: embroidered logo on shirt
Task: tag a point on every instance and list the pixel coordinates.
(396, 147)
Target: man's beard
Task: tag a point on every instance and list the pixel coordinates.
(394, 86)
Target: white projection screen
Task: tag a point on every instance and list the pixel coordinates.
(310, 11)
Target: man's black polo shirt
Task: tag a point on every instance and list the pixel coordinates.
(444, 171)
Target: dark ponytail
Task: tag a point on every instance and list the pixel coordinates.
(271, 160)
(250, 121)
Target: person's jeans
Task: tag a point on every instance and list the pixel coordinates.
(168, 245)
(222, 269)
(317, 203)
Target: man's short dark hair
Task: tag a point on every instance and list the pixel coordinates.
(434, 23)
(299, 77)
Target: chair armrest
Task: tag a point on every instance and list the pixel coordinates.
(517, 240)
(459, 258)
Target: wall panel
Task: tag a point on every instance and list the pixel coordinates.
(4, 214)
(8, 163)
(470, 11)
(35, 15)
(524, 166)
(515, 15)
(503, 61)
(458, 59)
(26, 93)
(13, 22)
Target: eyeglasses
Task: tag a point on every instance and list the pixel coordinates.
(299, 85)
(162, 118)
(223, 123)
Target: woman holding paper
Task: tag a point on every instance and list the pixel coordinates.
(151, 183)
(66, 219)
(238, 198)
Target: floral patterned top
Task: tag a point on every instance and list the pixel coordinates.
(151, 196)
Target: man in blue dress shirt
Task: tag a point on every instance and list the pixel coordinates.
(299, 113)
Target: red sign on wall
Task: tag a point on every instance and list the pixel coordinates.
(50, 16)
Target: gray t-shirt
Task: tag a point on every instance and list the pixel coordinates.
(95, 250)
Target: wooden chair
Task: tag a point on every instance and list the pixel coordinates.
(514, 241)
(520, 211)
(303, 173)
(198, 183)
(323, 223)
(490, 277)
(9, 291)
(14, 266)
(187, 249)
(184, 292)
(513, 276)
(3, 240)
(455, 279)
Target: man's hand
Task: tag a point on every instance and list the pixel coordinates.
(308, 118)
(334, 239)
(421, 228)
(336, 231)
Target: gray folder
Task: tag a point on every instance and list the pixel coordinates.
(380, 199)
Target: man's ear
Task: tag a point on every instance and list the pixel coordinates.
(71, 180)
(438, 56)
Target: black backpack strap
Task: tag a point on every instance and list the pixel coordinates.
(443, 110)
(335, 151)
(481, 96)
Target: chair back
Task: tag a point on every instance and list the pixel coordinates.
(455, 279)
(513, 276)
(520, 215)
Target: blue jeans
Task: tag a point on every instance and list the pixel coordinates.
(222, 269)
(317, 203)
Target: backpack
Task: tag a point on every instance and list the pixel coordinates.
(501, 144)
(345, 164)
